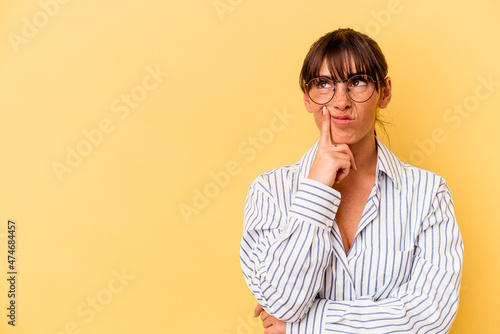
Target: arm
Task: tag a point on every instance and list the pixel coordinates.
(427, 303)
(286, 248)
(287, 243)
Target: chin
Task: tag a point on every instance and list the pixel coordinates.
(349, 140)
(352, 138)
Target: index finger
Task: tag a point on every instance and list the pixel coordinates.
(326, 136)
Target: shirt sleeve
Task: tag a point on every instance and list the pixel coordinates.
(285, 248)
(427, 303)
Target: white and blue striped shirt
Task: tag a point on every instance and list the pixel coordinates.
(401, 275)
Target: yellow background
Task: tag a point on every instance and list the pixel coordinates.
(232, 66)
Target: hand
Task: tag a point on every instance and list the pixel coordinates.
(271, 324)
(332, 161)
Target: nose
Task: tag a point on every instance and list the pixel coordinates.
(341, 100)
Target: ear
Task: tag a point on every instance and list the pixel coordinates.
(385, 94)
(307, 103)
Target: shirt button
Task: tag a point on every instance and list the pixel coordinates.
(336, 202)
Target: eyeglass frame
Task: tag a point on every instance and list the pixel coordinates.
(346, 89)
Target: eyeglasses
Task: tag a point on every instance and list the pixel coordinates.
(359, 88)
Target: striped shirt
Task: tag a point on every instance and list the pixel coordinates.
(401, 275)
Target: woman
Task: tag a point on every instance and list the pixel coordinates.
(350, 239)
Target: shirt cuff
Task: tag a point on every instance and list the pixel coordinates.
(313, 323)
(316, 203)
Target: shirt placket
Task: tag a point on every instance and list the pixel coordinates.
(370, 212)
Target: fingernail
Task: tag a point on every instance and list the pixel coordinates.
(324, 110)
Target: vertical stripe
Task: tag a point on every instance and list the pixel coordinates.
(401, 275)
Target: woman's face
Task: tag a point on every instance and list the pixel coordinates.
(350, 122)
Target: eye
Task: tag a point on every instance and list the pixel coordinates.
(358, 82)
(322, 84)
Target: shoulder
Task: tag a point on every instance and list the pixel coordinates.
(285, 180)
(407, 177)
(422, 180)
(423, 191)
(277, 180)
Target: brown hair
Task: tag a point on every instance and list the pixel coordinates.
(339, 48)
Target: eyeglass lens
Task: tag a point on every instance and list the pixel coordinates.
(359, 88)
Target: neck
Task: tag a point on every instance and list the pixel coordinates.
(365, 154)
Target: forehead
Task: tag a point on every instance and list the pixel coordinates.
(340, 68)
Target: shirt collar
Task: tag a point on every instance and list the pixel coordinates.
(387, 163)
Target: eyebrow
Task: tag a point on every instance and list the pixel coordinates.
(349, 75)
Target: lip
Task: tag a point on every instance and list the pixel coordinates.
(342, 120)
